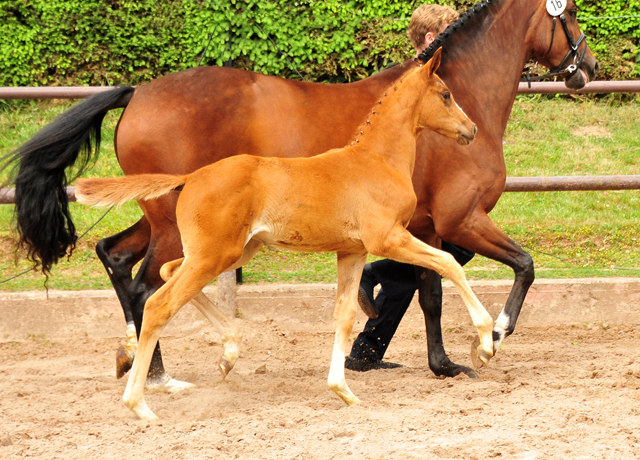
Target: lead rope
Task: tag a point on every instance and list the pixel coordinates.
(79, 238)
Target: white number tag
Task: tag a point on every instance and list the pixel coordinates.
(556, 7)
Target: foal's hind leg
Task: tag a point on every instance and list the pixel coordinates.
(349, 272)
(186, 283)
(400, 245)
(226, 327)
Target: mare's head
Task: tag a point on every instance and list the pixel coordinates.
(559, 44)
(437, 110)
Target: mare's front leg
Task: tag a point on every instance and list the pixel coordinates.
(430, 299)
(350, 268)
(479, 234)
(119, 254)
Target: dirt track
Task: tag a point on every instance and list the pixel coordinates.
(551, 393)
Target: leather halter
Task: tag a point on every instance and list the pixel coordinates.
(578, 57)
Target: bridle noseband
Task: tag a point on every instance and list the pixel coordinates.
(560, 70)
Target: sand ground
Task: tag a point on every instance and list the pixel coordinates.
(570, 392)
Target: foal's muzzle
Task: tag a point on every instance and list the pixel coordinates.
(467, 133)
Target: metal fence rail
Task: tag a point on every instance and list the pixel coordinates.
(79, 92)
(571, 183)
(513, 184)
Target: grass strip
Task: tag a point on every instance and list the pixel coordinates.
(569, 234)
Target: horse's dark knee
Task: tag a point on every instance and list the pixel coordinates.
(138, 293)
(116, 264)
(527, 270)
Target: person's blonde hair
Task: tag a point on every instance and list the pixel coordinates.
(429, 18)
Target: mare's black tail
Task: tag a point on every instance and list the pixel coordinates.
(42, 206)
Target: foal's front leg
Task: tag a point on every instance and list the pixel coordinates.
(350, 268)
(400, 245)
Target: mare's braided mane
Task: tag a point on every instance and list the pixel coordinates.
(467, 16)
(427, 54)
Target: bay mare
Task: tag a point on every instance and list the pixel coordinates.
(354, 201)
(190, 119)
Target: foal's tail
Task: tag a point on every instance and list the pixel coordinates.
(119, 190)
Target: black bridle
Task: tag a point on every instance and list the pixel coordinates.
(573, 54)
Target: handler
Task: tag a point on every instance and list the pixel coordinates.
(397, 280)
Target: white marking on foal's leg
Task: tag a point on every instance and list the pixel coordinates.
(226, 327)
(166, 384)
(231, 342)
(500, 329)
(161, 384)
(336, 380)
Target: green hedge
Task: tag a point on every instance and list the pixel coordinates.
(91, 42)
(614, 40)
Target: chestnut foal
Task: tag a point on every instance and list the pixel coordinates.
(354, 201)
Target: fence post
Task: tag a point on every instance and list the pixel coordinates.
(227, 292)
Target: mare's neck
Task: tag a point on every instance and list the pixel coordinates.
(483, 70)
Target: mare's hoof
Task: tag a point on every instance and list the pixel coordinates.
(471, 373)
(365, 293)
(367, 304)
(124, 360)
(363, 365)
(225, 367)
(479, 357)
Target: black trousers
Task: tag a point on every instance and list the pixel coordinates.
(398, 286)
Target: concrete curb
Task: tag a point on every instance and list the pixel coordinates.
(310, 307)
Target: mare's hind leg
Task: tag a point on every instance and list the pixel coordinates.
(349, 272)
(186, 283)
(400, 245)
(119, 254)
(165, 246)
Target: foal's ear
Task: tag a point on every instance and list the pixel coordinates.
(434, 63)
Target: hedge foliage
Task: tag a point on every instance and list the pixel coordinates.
(103, 42)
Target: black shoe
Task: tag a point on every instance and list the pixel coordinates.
(365, 293)
(362, 365)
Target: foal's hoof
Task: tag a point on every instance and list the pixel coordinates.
(353, 401)
(479, 357)
(225, 367)
(124, 359)
(166, 384)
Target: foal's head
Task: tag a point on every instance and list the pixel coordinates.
(437, 110)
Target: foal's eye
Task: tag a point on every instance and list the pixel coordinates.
(446, 96)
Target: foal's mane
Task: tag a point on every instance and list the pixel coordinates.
(394, 86)
(464, 24)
